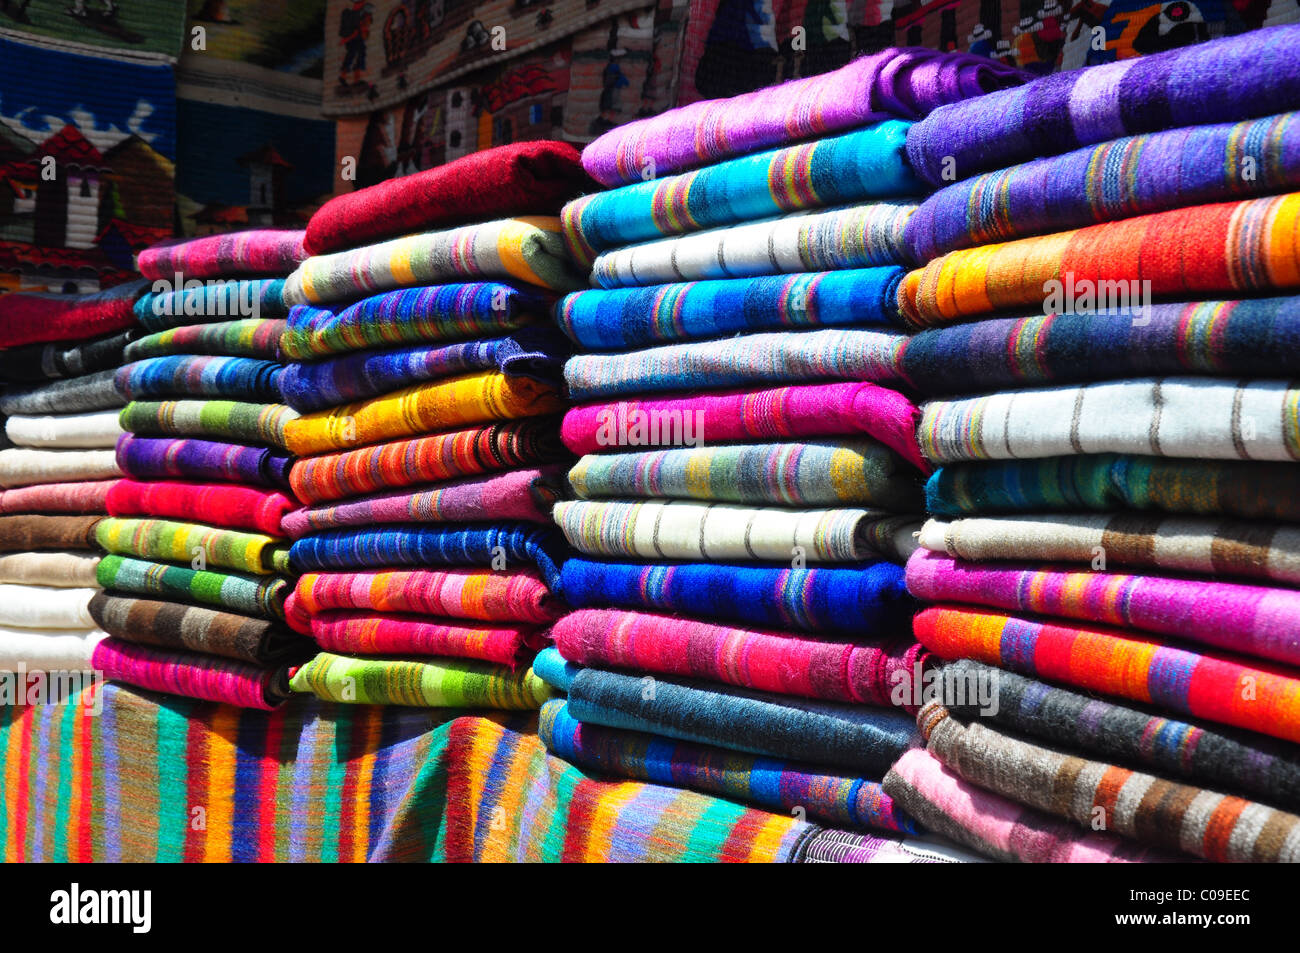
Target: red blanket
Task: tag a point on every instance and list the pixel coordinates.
(36, 318)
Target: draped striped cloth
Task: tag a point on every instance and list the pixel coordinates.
(88, 496)
(188, 458)
(49, 568)
(221, 419)
(447, 683)
(219, 300)
(368, 633)
(27, 532)
(72, 395)
(252, 251)
(192, 543)
(1184, 253)
(239, 507)
(191, 674)
(712, 531)
(25, 466)
(247, 337)
(251, 595)
(185, 375)
(93, 430)
(860, 236)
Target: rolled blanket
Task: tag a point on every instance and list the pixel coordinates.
(26, 467)
(410, 316)
(750, 360)
(186, 458)
(222, 419)
(193, 543)
(530, 250)
(1252, 338)
(636, 317)
(1263, 551)
(185, 375)
(784, 786)
(253, 251)
(1182, 254)
(45, 607)
(366, 633)
(865, 164)
(537, 352)
(48, 650)
(1113, 482)
(99, 428)
(1225, 80)
(23, 533)
(524, 495)
(519, 443)
(907, 83)
(37, 318)
(170, 625)
(825, 473)
(478, 398)
(46, 362)
(248, 595)
(239, 507)
(786, 663)
(862, 236)
(49, 569)
(712, 531)
(213, 301)
(863, 739)
(72, 395)
(84, 497)
(448, 683)
(1205, 683)
(248, 337)
(814, 410)
(191, 674)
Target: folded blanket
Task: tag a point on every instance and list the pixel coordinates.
(813, 410)
(196, 544)
(171, 625)
(907, 82)
(519, 443)
(865, 740)
(636, 317)
(1114, 482)
(779, 785)
(478, 398)
(248, 337)
(187, 458)
(45, 607)
(825, 473)
(98, 428)
(239, 507)
(197, 375)
(868, 163)
(1182, 254)
(72, 395)
(447, 683)
(84, 497)
(46, 362)
(750, 360)
(1205, 683)
(253, 251)
(1225, 80)
(786, 663)
(537, 352)
(26, 467)
(1160, 416)
(248, 595)
(711, 531)
(552, 668)
(48, 650)
(862, 236)
(528, 249)
(1263, 551)
(367, 633)
(1253, 338)
(524, 495)
(1129, 176)
(870, 600)
(191, 674)
(49, 569)
(410, 316)
(35, 318)
(23, 533)
(224, 419)
(213, 301)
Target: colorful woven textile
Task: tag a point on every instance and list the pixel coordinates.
(45, 607)
(206, 677)
(99, 428)
(213, 301)
(220, 419)
(47, 650)
(49, 569)
(894, 82)
(1217, 686)
(865, 164)
(249, 337)
(185, 375)
(30, 532)
(37, 318)
(552, 668)
(239, 507)
(85, 497)
(1253, 338)
(250, 595)
(750, 360)
(447, 683)
(431, 407)
(688, 530)
(192, 543)
(47, 362)
(171, 625)
(1184, 254)
(870, 600)
(187, 458)
(23, 466)
(1226, 80)
(68, 396)
(254, 251)
(368, 633)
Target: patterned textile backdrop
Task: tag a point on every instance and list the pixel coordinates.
(140, 28)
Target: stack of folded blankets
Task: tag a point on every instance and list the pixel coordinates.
(1113, 556)
(196, 555)
(427, 375)
(749, 484)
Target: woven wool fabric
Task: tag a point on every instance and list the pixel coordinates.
(46, 362)
(249, 595)
(907, 82)
(868, 600)
(213, 302)
(530, 250)
(193, 543)
(1165, 814)
(77, 497)
(868, 163)
(194, 675)
(1252, 338)
(48, 650)
(1225, 80)
(778, 785)
(1204, 683)
(1129, 176)
(239, 507)
(1184, 253)
(523, 495)
(683, 529)
(98, 428)
(517, 179)
(188, 458)
(862, 236)
(502, 446)
(49, 569)
(68, 396)
(24, 466)
(455, 683)
(1115, 481)
(253, 251)
(750, 360)
(786, 663)
(552, 668)
(21, 533)
(38, 318)
(368, 633)
(431, 407)
(410, 316)
(45, 607)
(825, 473)
(247, 337)
(183, 375)
(221, 419)
(635, 317)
